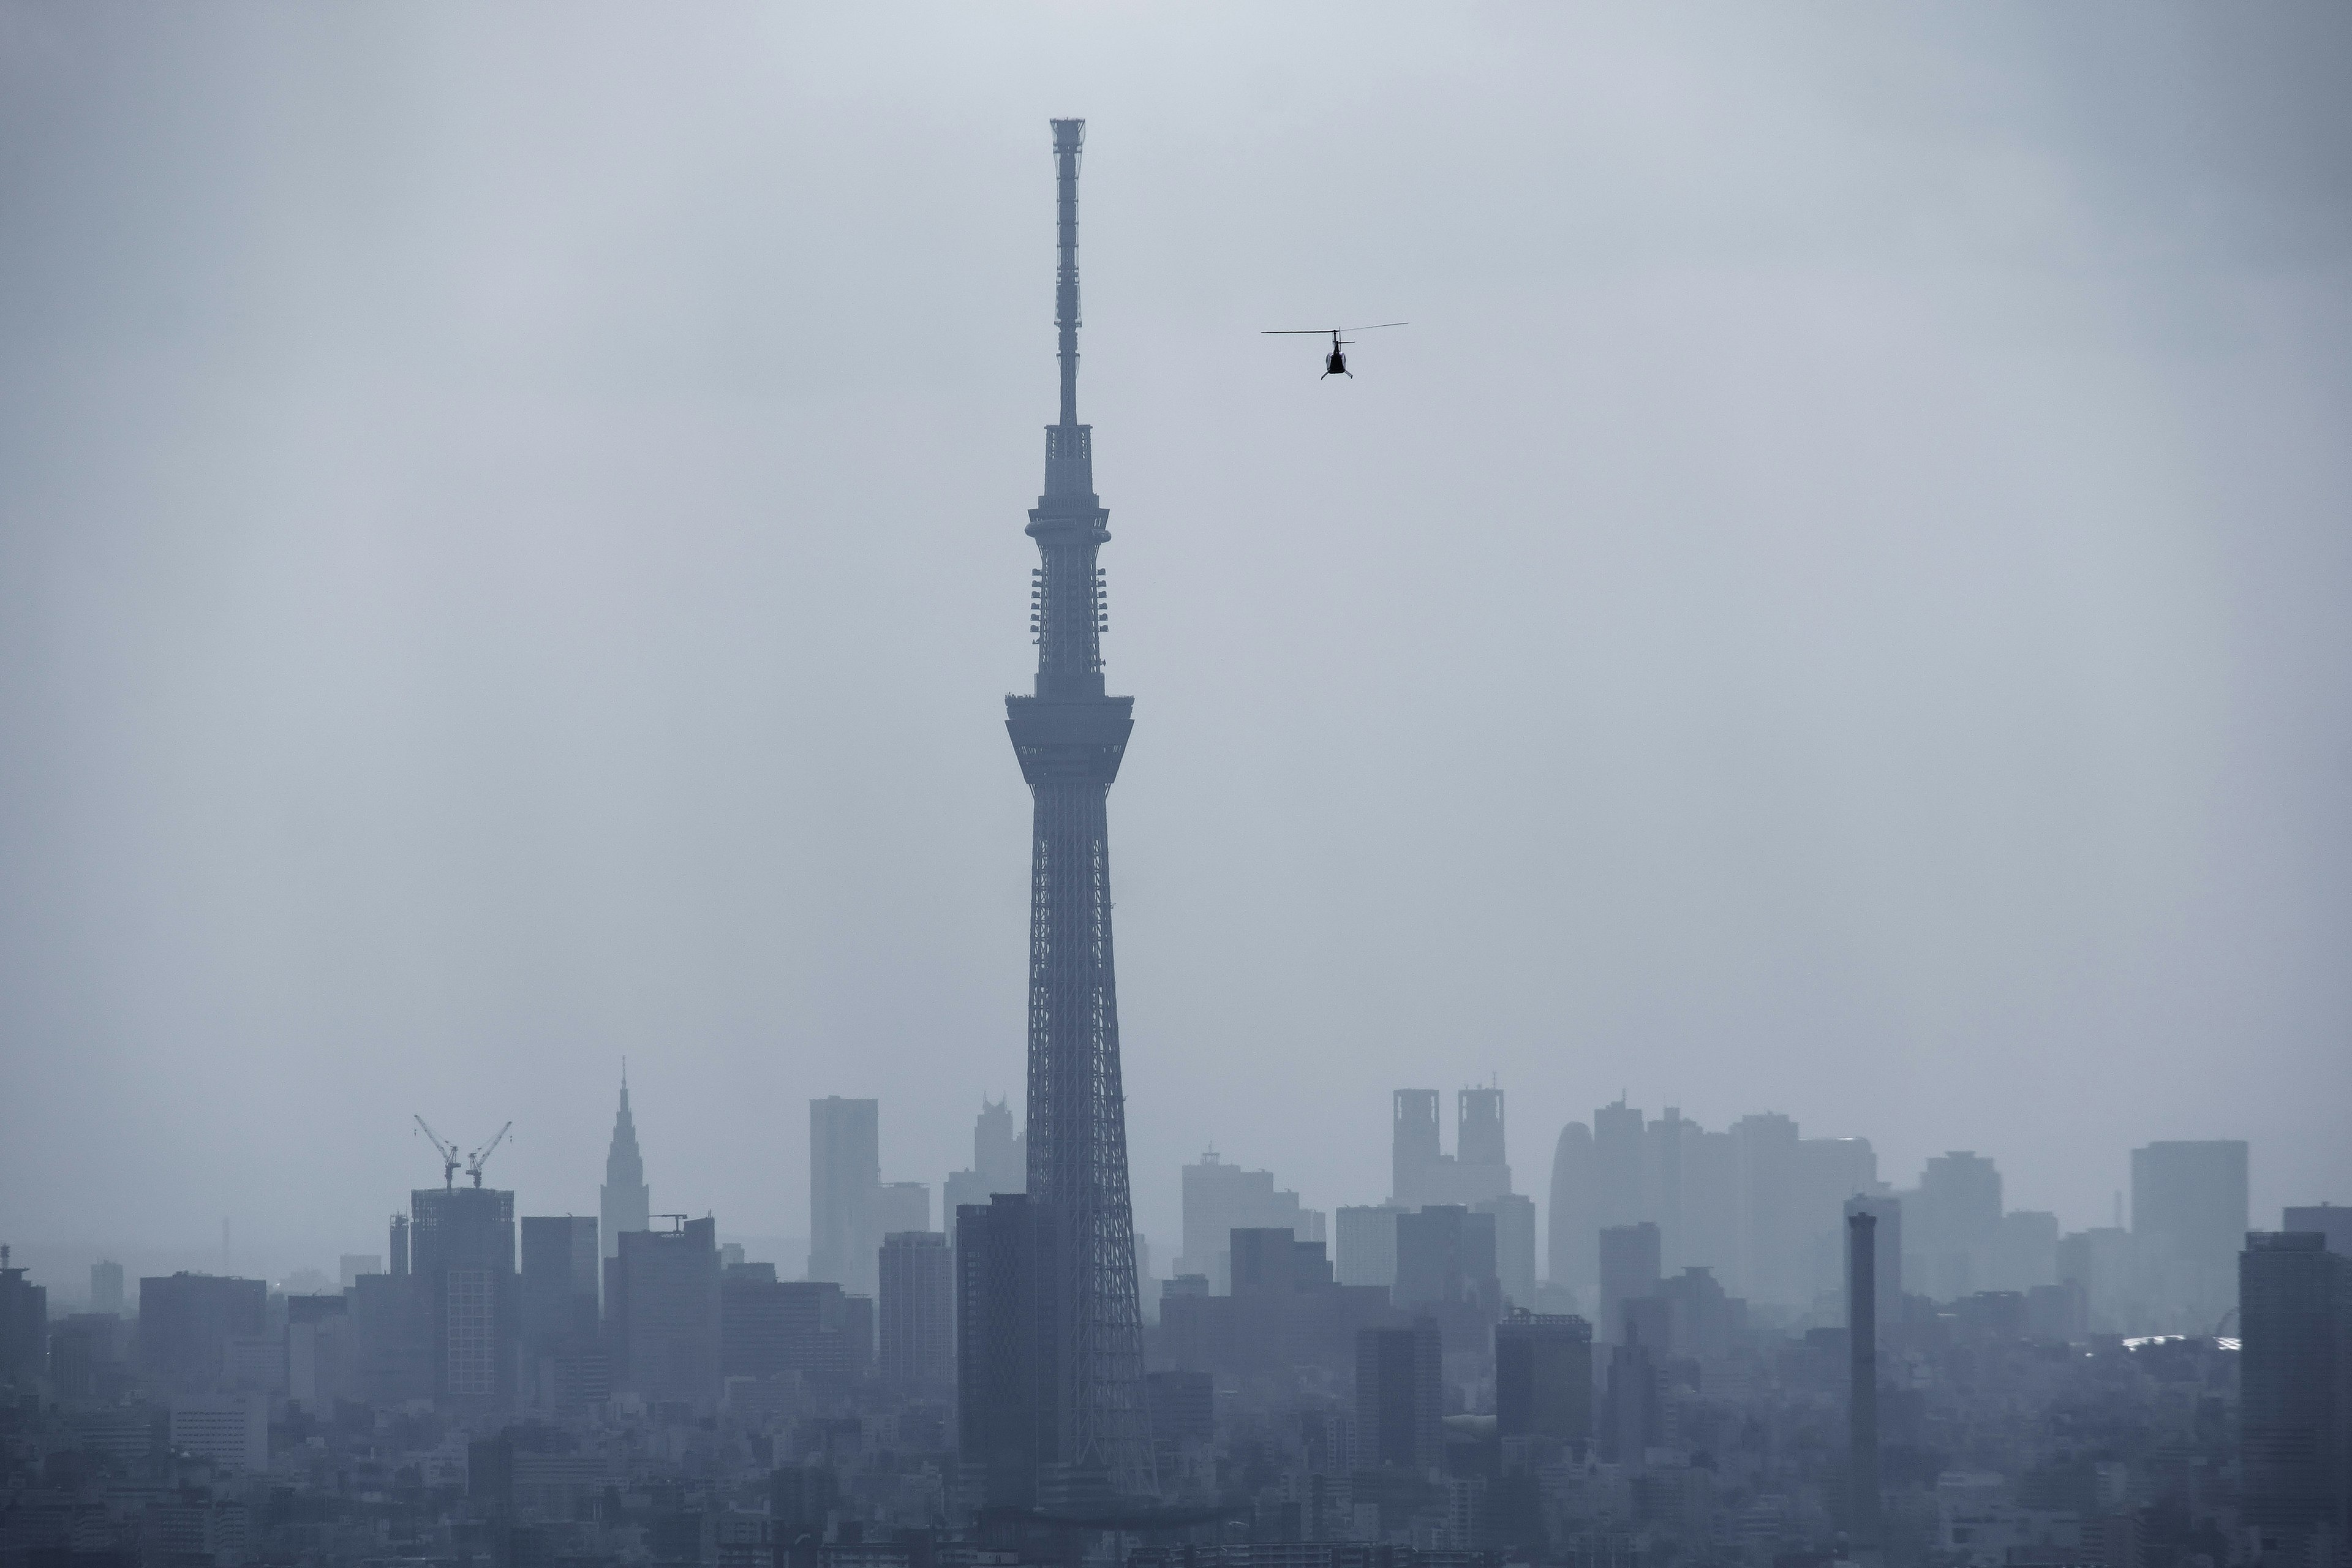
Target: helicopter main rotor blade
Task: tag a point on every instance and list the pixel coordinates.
(1376, 326)
(1304, 332)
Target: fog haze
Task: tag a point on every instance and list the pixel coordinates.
(511, 557)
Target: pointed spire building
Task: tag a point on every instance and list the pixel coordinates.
(626, 1203)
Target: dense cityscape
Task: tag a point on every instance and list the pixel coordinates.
(1667, 1374)
(1740, 1345)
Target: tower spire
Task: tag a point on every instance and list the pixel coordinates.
(1069, 141)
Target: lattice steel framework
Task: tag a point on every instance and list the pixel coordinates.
(1069, 738)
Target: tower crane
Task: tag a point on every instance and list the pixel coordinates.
(448, 1153)
(474, 1160)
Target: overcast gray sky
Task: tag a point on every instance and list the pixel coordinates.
(510, 555)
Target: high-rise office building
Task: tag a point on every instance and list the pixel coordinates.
(2294, 1379)
(2189, 1216)
(1069, 737)
(1413, 1146)
(917, 1310)
(461, 1259)
(769, 1327)
(1950, 1225)
(23, 1328)
(662, 1300)
(998, 1163)
(186, 1322)
(1619, 1147)
(1006, 1358)
(626, 1203)
(1367, 1251)
(1514, 1246)
(1543, 1376)
(563, 1271)
(844, 1173)
(1399, 1389)
(1422, 1176)
(1221, 1198)
(1446, 1262)
(1478, 1127)
(1629, 1272)
(1572, 1257)
(106, 1287)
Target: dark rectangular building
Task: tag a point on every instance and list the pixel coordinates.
(185, 1324)
(664, 1294)
(1007, 1344)
(1543, 1376)
(2294, 1380)
(1399, 1389)
(917, 1309)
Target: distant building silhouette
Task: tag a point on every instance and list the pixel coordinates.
(106, 1287)
(1221, 1198)
(1399, 1393)
(185, 1324)
(998, 1163)
(1515, 1245)
(662, 1299)
(1950, 1225)
(917, 1310)
(1572, 1251)
(1366, 1250)
(23, 1328)
(462, 1265)
(2189, 1215)
(563, 1271)
(1422, 1175)
(1629, 1272)
(624, 1202)
(1543, 1377)
(1006, 1349)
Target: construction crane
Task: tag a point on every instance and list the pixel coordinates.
(451, 1158)
(474, 1160)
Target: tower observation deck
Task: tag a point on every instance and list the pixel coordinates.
(1069, 738)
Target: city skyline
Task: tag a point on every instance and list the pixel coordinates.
(1927, 742)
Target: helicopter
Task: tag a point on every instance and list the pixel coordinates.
(1336, 362)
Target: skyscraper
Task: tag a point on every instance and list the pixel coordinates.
(1629, 1272)
(2296, 1387)
(844, 1171)
(626, 1202)
(2189, 1216)
(1412, 1146)
(106, 1287)
(561, 1285)
(1543, 1377)
(1069, 737)
(1007, 1371)
(462, 1259)
(999, 1163)
(1399, 1387)
(664, 1308)
(1571, 1256)
(1221, 1198)
(917, 1310)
